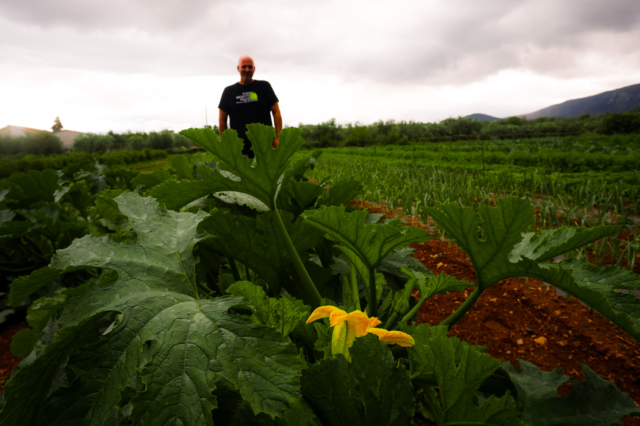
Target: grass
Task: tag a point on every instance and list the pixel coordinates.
(151, 165)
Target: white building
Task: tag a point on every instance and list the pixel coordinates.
(66, 136)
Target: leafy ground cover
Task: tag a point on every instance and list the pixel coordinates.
(196, 295)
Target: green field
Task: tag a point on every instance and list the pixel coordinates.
(176, 282)
(574, 181)
(582, 181)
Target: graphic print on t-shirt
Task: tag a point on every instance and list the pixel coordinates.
(247, 97)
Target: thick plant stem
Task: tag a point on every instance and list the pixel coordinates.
(372, 303)
(234, 269)
(310, 293)
(353, 276)
(412, 313)
(406, 294)
(459, 313)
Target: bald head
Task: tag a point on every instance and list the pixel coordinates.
(246, 69)
(245, 58)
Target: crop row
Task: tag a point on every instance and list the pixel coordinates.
(584, 143)
(585, 199)
(9, 165)
(547, 161)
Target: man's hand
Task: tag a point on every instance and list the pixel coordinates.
(222, 121)
(277, 120)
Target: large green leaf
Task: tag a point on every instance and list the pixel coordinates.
(153, 179)
(257, 244)
(79, 196)
(392, 265)
(420, 365)
(458, 370)
(32, 187)
(502, 253)
(184, 170)
(594, 402)
(440, 283)
(384, 384)
(42, 309)
(26, 392)
(25, 286)
(24, 341)
(367, 241)
(6, 216)
(165, 345)
(94, 175)
(332, 391)
(341, 193)
(502, 226)
(260, 179)
(371, 390)
(179, 343)
(284, 314)
(597, 287)
(550, 243)
(304, 193)
(106, 210)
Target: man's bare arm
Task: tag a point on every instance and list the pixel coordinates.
(277, 120)
(222, 121)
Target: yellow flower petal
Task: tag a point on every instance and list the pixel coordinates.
(345, 330)
(339, 340)
(358, 324)
(323, 312)
(374, 322)
(393, 337)
(337, 317)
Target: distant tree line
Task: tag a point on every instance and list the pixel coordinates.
(35, 143)
(330, 134)
(165, 139)
(44, 143)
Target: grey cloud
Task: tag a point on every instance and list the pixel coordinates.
(436, 42)
(97, 15)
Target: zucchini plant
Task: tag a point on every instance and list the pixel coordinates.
(204, 315)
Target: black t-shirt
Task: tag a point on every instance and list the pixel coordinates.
(247, 104)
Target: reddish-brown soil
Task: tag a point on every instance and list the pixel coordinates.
(8, 362)
(525, 319)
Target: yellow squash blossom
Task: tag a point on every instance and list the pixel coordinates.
(346, 327)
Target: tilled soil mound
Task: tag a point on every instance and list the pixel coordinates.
(521, 318)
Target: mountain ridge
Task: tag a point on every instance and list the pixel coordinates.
(613, 101)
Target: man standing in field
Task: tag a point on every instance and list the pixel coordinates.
(249, 101)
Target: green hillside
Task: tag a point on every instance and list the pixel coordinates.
(619, 100)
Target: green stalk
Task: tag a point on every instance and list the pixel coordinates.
(459, 313)
(372, 306)
(310, 293)
(406, 294)
(204, 290)
(354, 286)
(234, 269)
(412, 313)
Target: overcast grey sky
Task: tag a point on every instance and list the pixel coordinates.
(152, 65)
